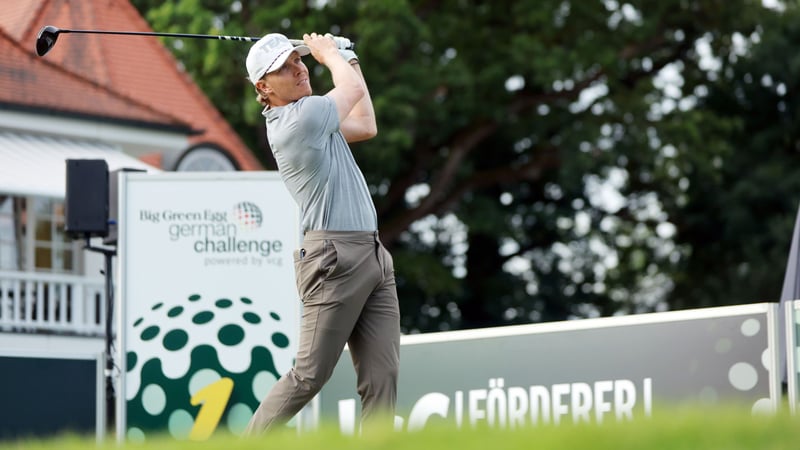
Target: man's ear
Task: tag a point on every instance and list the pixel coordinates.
(263, 87)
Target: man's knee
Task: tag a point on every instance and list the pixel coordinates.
(378, 379)
(308, 384)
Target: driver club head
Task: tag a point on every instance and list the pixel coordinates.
(46, 39)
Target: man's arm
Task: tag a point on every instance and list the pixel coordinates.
(360, 124)
(348, 87)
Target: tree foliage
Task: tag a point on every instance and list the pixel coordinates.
(740, 211)
(545, 160)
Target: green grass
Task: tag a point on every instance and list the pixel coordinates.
(717, 428)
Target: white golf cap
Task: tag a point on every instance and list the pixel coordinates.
(269, 53)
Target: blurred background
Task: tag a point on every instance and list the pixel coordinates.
(536, 160)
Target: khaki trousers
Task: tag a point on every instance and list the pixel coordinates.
(346, 283)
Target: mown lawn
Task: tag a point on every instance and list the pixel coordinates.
(708, 428)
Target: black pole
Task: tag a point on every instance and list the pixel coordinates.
(108, 253)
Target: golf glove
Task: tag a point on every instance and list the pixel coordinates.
(342, 43)
(348, 55)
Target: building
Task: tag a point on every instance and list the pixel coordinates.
(90, 97)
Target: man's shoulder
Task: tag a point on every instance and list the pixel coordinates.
(312, 101)
(313, 109)
(303, 106)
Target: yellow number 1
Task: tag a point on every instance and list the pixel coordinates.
(214, 398)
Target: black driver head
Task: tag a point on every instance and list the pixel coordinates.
(46, 39)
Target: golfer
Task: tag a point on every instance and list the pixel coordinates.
(344, 275)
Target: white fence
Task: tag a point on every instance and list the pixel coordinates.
(48, 303)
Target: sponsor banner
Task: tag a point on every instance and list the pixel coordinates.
(209, 313)
(592, 370)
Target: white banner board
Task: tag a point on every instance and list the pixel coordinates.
(208, 309)
(589, 370)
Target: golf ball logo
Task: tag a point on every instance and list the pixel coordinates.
(201, 364)
(247, 215)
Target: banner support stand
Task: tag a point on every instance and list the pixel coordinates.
(110, 398)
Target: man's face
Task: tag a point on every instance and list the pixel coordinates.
(289, 83)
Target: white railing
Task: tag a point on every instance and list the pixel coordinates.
(49, 303)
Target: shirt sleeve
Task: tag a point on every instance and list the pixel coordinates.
(317, 119)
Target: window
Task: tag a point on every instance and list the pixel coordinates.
(10, 231)
(32, 236)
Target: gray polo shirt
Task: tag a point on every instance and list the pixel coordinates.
(318, 168)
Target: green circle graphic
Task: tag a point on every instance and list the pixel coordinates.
(251, 318)
(175, 312)
(203, 317)
(154, 399)
(280, 340)
(230, 335)
(150, 333)
(238, 417)
(131, 360)
(175, 340)
(223, 303)
(180, 424)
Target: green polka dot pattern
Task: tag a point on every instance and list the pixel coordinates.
(203, 332)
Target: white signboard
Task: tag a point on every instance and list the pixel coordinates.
(209, 313)
(590, 370)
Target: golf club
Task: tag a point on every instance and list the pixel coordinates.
(48, 35)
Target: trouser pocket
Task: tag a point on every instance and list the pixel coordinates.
(313, 262)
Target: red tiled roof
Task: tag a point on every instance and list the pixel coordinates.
(16, 15)
(136, 68)
(26, 81)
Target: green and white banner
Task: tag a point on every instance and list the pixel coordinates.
(209, 311)
(591, 370)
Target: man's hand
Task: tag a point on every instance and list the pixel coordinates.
(343, 44)
(322, 47)
(348, 86)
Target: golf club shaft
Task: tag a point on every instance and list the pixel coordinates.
(174, 35)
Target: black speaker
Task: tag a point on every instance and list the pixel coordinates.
(86, 205)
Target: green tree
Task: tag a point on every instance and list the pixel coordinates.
(536, 160)
(741, 204)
